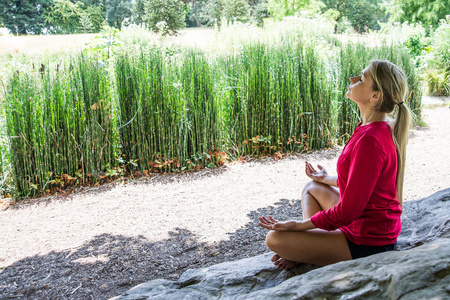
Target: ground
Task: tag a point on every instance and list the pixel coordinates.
(101, 242)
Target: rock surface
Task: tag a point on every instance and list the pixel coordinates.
(419, 271)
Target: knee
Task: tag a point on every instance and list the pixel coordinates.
(273, 240)
(309, 186)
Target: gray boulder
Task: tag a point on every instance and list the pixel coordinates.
(420, 271)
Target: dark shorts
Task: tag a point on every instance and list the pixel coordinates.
(359, 251)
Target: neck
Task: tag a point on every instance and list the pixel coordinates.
(369, 115)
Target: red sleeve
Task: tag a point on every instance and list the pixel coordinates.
(365, 166)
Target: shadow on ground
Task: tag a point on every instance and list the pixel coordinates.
(109, 265)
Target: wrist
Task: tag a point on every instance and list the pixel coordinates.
(304, 225)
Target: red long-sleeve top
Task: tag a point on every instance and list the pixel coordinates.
(368, 212)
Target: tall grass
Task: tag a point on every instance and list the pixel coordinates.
(58, 118)
(173, 109)
(168, 111)
(275, 98)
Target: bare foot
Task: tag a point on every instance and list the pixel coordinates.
(282, 263)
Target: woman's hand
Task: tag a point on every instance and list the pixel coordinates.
(315, 175)
(272, 224)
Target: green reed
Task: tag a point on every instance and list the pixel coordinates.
(58, 119)
(165, 109)
(168, 110)
(275, 98)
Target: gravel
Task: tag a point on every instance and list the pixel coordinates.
(98, 243)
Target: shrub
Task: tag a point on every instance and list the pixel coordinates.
(165, 16)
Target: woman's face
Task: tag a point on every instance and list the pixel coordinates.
(360, 89)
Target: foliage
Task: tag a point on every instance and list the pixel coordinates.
(259, 13)
(362, 16)
(24, 17)
(90, 2)
(212, 12)
(117, 11)
(427, 12)
(193, 15)
(96, 15)
(437, 62)
(400, 32)
(138, 12)
(437, 82)
(283, 8)
(236, 10)
(104, 45)
(64, 16)
(86, 24)
(440, 41)
(165, 16)
(339, 10)
(415, 45)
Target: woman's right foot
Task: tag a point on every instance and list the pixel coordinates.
(282, 263)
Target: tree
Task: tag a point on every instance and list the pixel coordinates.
(212, 12)
(96, 15)
(165, 16)
(138, 12)
(236, 10)
(117, 11)
(64, 16)
(362, 16)
(193, 16)
(283, 8)
(341, 7)
(86, 24)
(428, 12)
(91, 2)
(259, 13)
(24, 17)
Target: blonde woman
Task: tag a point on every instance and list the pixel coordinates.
(356, 213)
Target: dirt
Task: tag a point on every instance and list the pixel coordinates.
(98, 243)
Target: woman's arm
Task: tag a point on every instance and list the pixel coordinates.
(321, 175)
(272, 224)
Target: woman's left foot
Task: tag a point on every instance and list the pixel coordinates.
(282, 263)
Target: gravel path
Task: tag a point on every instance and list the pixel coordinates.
(99, 243)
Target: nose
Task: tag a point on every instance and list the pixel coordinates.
(354, 79)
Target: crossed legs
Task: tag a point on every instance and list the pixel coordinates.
(316, 246)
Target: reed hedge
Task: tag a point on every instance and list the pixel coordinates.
(59, 123)
(75, 121)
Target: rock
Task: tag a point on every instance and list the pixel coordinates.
(420, 271)
(425, 220)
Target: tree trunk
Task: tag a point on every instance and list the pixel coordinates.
(195, 13)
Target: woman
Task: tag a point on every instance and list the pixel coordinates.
(357, 213)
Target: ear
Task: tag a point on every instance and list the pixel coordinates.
(376, 96)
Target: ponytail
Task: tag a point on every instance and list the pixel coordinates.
(400, 137)
(391, 81)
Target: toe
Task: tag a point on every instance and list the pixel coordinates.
(275, 258)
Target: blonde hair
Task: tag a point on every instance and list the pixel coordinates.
(392, 84)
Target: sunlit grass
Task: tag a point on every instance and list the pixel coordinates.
(58, 119)
(155, 107)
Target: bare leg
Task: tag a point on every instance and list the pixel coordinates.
(315, 197)
(318, 196)
(316, 246)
